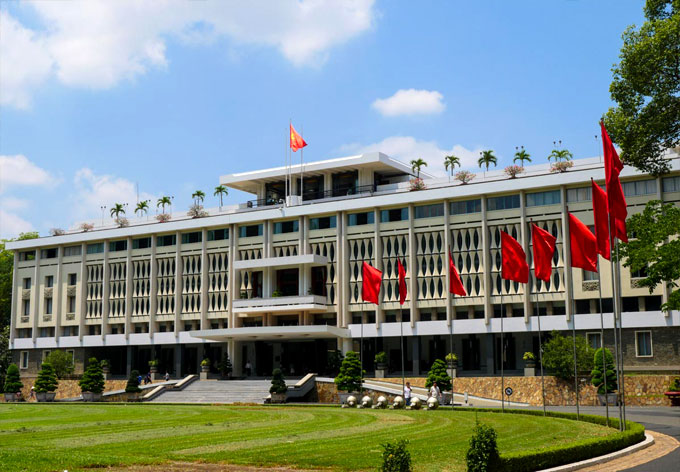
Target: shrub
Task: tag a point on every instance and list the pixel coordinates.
(62, 363)
(561, 166)
(513, 171)
(57, 232)
(13, 380)
(93, 378)
(196, 211)
(153, 363)
(674, 385)
(381, 358)
(47, 379)
(122, 222)
(451, 358)
(558, 355)
(132, 383)
(349, 378)
(438, 374)
(224, 366)
(464, 176)
(205, 362)
(529, 356)
(417, 184)
(333, 362)
(598, 372)
(163, 217)
(395, 457)
(482, 455)
(278, 383)
(86, 227)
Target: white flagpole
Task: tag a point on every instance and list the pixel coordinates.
(604, 361)
(573, 322)
(502, 351)
(540, 341)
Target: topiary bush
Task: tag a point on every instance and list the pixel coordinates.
(396, 457)
(381, 358)
(482, 455)
(438, 374)
(61, 362)
(278, 383)
(13, 380)
(598, 372)
(132, 385)
(349, 378)
(47, 379)
(93, 377)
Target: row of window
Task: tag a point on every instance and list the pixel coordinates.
(643, 342)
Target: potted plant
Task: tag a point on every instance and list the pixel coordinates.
(225, 367)
(348, 381)
(438, 374)
(46, 384)
(205, 368)
(13, 384)
(673, 392)
(132, 387)
(92, 382)
(381, 364)
(279, 388)
(451, 364)
(529, 364)
(605, 393)
(464, 177)
(277, 293)
(153, 369)
(106, 368)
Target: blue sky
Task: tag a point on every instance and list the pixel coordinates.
(100, 96)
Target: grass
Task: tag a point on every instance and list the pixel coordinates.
(41, 437)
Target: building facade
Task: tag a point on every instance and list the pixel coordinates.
(276, 281)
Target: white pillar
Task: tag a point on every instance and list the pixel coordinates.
(82, 311)
(56, 294)
(204, 279)
(153, 293)
(567, 255)
(128, 289)
(35, 295)
(486, 262)
(525, 236)
(447, 278)
(105, 292)
(178, 282)
(16, 295)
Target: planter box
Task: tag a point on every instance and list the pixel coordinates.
(452, 372)
(674, 397)
(11, 397)
(530, 372)
(446, 398)
(380, 373)
(610, 399)
(46, 396)
(278, 398)
(91, 397)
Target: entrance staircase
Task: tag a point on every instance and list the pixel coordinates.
(218, 391)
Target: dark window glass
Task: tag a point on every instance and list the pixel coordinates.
(191, 238)
(141, 243)
(395, 214)
(325, 222)
(166, 240)
(72, 278)
(49, 281)
(543, 198)
(465, 206)
(72, 251)
(218, 234)
(250, 231)
(357, 219)
(27, 256)
(505, 202)
(95, 248)
(48, 253)
(115, 246)
(429, 211)
(286, 227)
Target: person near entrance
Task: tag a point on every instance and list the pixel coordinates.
(435, 392)
(248, 368)
(407, 394)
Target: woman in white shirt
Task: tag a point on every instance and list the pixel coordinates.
(435, 392)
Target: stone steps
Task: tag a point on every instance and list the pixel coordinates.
(219, 391)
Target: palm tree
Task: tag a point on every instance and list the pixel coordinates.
(522, 156)
(117, 210)
(416, 164)
(142, 207)
(560, 154)
(198, 196)
(486, 159)
(221, 190)
(450, 162)
(162, 202)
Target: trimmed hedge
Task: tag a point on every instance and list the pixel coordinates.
(545, 458)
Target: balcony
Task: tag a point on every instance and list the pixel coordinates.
(279, 262)
(294, 304)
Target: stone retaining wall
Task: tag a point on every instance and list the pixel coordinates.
(70, 388)
(328, 393)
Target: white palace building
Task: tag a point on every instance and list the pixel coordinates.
(276, 281)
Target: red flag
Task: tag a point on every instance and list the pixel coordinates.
(544, 249)
(455, 284)
(617, 202)
(514, 265)
(370, 287)
(296, 141)
(402, 282)
(600, 210)
(583, 245)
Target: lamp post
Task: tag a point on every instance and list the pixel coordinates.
(102, 208)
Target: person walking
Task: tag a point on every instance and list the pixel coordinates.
(435, 392)
(248, 368)
(407, 393)
(167, 376)
(32, 395)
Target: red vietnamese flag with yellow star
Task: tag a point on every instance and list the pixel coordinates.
(296, 141)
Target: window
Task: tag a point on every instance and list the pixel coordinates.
(27, 308)
(465, 206)
(95, 248)
(579, 194)
(506, 202)
(638, 274)
(551, 197)
(48, 306)
(46, 332)
(27, 283)
(50, 253)
(24, 333)
(188, 327)
(141, 243)
(594, 340)
(71, 304)
(589, 276)
(24, 360)
(639, 187)
(115, 246)
(45, 353)
(49, 281)
(69, 331)
(429, 211)
(27, 256)
(643, 343)
(73, 251)
(358, 219)
(395, 214)
(114, 329)
(291, 226)
(250, 231)
(324, 222)
(72, 279)
(671, 184)
(166, 240)
(191, 238)
(218, 234)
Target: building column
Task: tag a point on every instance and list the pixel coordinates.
(490, 351)
(35, 295)
(128, 361)
(178, 282)
(416, 354)
(56, 294)
(233, 290)
(378, 264)
(347, 291)
(486, 263)
(412, 272)
(81, 311)
(205, 283)
(234, 349)
(105, 292)
(16, 295)
(153, 293)
(128, 289)
(346, 345)
(568, 276)
(339, 269)
(178, 360)
(525, 237)
(267, 282)
(664, 287)
(447, 248)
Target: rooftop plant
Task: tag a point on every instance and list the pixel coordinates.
(464, 176)
(513, 171)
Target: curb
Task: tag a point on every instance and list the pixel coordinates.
(649, 440)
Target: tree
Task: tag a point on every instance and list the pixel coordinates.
(142, 207)
(522, 156)
(646, 88)
(198, 196)
(416, 165)
(162, 202)
(278, 383)
(132, 385)
(349, 378)
(93, 378)
(482, 455)
(224, 366)
(13, 380)
(598, 373)
(47, 379)
(5, 354)
(486, 159)
(559, 154)
(451, 162)
(558, 355)
(117, 210)
(6, 267)
(655, 248)
(221, 190)
(438, 374)
(62, 363)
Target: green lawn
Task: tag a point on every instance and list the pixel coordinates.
(41, 437)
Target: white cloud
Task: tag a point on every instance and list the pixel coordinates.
(18, 170)
(11, 225)
(98, 43)
(410, 102)
(406, 148)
